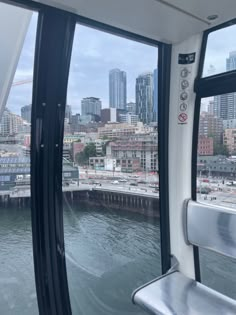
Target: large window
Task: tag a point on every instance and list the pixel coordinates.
(220, 51)
(216, 180)
(17, 286)
(110, 172)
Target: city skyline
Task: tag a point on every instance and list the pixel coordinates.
(94, 54)
(90, 52)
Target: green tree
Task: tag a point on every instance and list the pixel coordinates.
(82, 158)
(221, 149)
(90, 150)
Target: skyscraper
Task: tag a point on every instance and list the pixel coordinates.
(68, 113)
(225, 105)
(26, 112)
(144, 97)
(131, 108)
(117, 88)
(231, 97)
(155, 95)
(91, 105)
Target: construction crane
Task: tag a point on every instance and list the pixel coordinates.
(16, 83)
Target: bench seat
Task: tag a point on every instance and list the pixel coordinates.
(175, 294)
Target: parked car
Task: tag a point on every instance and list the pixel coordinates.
(122, 180)
(115, 182)
(133, 184)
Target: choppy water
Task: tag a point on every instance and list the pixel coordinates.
(109, 254)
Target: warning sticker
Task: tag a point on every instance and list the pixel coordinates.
(183, 107)
(182, 118)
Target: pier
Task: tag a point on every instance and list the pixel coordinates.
(132, 199)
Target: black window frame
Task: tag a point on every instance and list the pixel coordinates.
(48, 298)
(204, 87)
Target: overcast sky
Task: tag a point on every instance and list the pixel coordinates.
(95, 53)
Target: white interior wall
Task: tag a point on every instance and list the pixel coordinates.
(180, 149)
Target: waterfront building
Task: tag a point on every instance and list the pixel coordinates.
(142, 147)
(127, 165)
(216, 165)
(205, 145)
(117, 88)
(119, 130)
(16, 170)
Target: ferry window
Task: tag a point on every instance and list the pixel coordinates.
(17, 286)
(220, 51)
(216, 183)
(111, 215)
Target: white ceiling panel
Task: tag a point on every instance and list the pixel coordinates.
(170, 21)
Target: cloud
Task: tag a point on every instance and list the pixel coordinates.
(220, 43)
(95, 53)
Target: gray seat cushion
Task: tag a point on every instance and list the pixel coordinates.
(175, 294)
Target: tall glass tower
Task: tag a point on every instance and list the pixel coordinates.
(155, 95)
(144, 97)
(225, 105)
(117, 89)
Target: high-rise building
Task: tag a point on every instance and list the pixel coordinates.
(220, 108)
(68, 113)
(11, 124)
(26, 113)
(75, 120)
(229, 124)
(211, 126)
(117, 88)
(109, 115)
(129, 118)
(131, 108)
(91, 106)
(155, 95)
(230, 140)
(226, 104)
(144, 97)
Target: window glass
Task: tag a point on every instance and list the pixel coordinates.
(17, 285)
(111, 198)
(216, 185)
(220, 52)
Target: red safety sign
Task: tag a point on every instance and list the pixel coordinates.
(183, 117)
